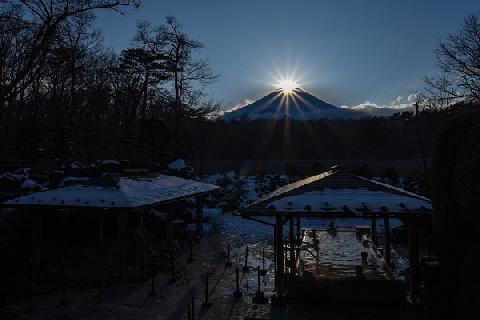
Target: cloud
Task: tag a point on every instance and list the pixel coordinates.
(245, 102)
(399, 104)
(237, 106)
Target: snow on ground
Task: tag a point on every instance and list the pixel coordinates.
(209, 213)
(72, 165)
(114, 162)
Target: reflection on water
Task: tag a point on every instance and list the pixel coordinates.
(339, 254)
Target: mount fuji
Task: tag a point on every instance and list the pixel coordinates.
(297, 105)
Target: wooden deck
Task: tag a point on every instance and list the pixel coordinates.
(342, 266)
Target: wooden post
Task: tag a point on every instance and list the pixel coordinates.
(299, 230)
(100, 228)
(299, 237)
(37, 238)
(275, 256)
(245, 266)
(413, 255)
(64, 216)
(152, 293)
(386, 230)
(193, 307)
(229, 262)
(279, 267)
(198, 215)
(99, 256)
(169, 231)
(29, 307)
(190, 258)
(292, 245)
(374, 228)
(173, 279)
(206, 303)
(141, 243)
(237, 293)
(122, 217)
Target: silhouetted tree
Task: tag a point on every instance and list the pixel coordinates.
(458, 57)
(456, 226)
(185, 71)
(29, 27)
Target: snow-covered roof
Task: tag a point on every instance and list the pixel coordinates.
(335, 191)
(126, 192)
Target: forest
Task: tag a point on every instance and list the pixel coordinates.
(64, 95)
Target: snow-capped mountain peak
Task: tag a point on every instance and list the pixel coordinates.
(298, 105)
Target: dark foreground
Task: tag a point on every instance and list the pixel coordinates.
(132, 299)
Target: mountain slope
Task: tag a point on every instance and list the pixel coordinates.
(300, 105)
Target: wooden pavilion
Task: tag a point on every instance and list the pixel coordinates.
(124, 197)
(336, 193)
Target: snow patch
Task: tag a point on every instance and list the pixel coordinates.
(178, 164)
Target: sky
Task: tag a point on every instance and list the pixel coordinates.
(349, 53)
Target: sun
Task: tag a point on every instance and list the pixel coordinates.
(287, 85)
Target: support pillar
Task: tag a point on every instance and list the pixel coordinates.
(374, 228)
(141, 243)
(299, 236)
(122, 228)
(291, 237)
(299, 231)
(101, 219)
(198, 215)
(37, 238)
(100, 228)
(386, 230)
(279, 267)
(275, 256)
(169, 231)
(413, 256)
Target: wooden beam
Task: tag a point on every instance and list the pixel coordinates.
(259, 221)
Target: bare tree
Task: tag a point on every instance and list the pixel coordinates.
(187, 73)
(458, 59)
(31, 26)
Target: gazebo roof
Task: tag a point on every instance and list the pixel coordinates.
(337, 192)
(116, 192)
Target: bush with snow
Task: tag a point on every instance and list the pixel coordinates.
(181, 169)
(13, 184)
